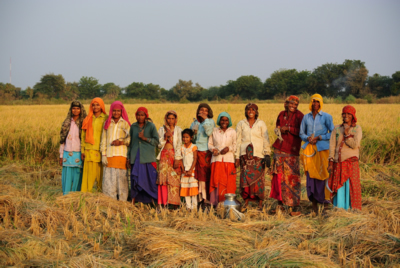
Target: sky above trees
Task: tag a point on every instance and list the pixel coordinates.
(207, 42)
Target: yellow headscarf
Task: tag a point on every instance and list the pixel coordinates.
(318, 98)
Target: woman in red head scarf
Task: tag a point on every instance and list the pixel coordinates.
(90, 145)
(344, 152)
(286, 185)
(142, 158)
(114, 146)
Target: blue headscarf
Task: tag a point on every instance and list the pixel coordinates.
(226, 115)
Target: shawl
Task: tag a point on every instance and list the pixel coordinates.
(66, 125)
(115, 106)
(224, 114)
(87, 123)
(318, 98)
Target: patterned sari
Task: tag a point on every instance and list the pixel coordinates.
(169, 178)
(285, 185)
(252, 171)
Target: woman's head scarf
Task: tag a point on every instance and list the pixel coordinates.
(166, 116)
(66, 125)
(293, 98)
(144, 110)
(318, 98)
(210, 112)
(227, 116)
(87, 123)
(348, 109)
(253, 106)
(117, 105)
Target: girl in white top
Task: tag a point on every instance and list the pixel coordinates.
(189, 185)
(252, 154)
(222, 143)
(170, 161)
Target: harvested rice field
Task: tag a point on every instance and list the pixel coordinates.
(39, 227)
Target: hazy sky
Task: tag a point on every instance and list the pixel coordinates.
(209, 42)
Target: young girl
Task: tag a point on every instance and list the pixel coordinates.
(114, 142)
(142, 157)
(222, 144)
(90, 145)
(170, 159)
(203, 127)
(70, 148)
(189, 185)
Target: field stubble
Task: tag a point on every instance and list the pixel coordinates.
(40, 227)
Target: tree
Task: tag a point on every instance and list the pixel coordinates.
(379, 85)
(71, 91)
(355, 81)
(135, 90)
(395, 89)
(110, 90)
(186, 90)
(285, 82)
(9, 92)
(29, 92)
(89, 87)
(50, 86)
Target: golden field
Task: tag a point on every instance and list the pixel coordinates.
(41, 227)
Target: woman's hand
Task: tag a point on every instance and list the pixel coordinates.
(177, 163)
(168, 134)
(189, 172)
(83, 157)
(128, 164)
(141, 135)
(224, 151)
(117, 143)
(60, 161)
(346, 129)
(330, 167)
(215, 152)
(284, 129)
(237, 163)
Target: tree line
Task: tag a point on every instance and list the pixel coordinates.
(334, 80)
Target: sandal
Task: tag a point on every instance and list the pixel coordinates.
(295, 214)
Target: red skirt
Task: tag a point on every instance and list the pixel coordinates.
(342, 171)
(223, 180)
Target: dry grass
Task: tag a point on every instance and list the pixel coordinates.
(41, 227)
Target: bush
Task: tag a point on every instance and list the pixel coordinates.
(350, 99)
(361, 101)
(184, 100)
(339, 99)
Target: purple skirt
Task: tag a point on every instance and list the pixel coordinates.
(316, 190)
(143, 182)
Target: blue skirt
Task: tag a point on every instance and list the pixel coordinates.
(71, 178)
(342, 198)
(143, 182)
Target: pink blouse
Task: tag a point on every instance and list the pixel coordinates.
(72, 142)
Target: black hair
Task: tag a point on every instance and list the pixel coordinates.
(188, 131)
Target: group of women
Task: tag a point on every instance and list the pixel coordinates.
(198, 164)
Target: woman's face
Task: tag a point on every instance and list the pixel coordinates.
(315, 105)
(293, 106)
(76, 111)
(186, 138)
(140, 117)
(171, 120)
(347, 118)
(96, 107)
(203, 111)
(224, 122)
(251, 113)
(116, 113)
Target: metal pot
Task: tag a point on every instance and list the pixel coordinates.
(231, 202)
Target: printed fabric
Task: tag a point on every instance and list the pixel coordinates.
(169, 176)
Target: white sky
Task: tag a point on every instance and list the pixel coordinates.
(209, 42)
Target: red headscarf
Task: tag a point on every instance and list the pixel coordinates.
(87, 123)
(293, 98)
(143, 109)
(253, 106)
(348, 109)
(115, 106)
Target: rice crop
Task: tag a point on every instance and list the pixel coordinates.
(41, 227)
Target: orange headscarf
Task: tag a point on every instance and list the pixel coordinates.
(87, 123)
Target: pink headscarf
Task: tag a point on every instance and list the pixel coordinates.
(116, 105)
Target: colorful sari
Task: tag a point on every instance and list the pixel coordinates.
(252, 171)
(286, 185)
(168, 179)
